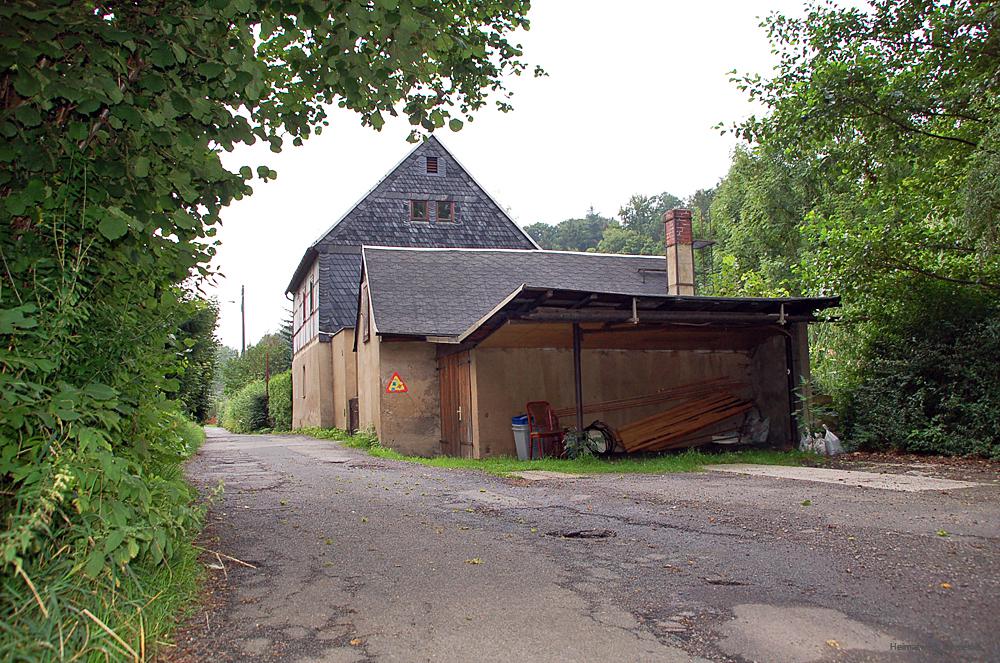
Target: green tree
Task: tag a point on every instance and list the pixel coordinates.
(881, 134)
(545, 234)
(198, 358)
(643, 215)
(572, 234)
(896, 111)
(270, 352)
(113, 117)
(755, 214)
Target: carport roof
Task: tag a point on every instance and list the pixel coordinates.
(453, 295)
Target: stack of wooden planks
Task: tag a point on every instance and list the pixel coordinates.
(679, 426)
(690, 390)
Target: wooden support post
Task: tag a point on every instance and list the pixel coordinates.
(803, 378)
(578, 373)
(793, 429)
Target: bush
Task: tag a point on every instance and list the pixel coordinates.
(279, 404)
(246, 411)
(929, 385)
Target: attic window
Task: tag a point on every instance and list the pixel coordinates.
(445, 212)
(432, 165)
(419, 211)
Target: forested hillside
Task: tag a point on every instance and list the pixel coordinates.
(875, 175)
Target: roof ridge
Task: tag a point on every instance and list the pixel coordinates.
(502, 250)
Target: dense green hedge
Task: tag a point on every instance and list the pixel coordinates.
(246, 411)
(931, 385)
(279, 404)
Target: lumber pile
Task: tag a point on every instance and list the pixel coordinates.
(690, 390)
(679, 426)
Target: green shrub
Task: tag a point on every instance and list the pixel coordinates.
(279, 403)
(246, 411)
(929, 385)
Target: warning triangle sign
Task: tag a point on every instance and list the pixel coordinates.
(396, 385)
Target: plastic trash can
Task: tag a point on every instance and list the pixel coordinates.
(519, 425)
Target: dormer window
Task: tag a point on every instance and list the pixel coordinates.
(445, 212)
(432, 165)
(419, 211)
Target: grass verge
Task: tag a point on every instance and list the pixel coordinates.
(691, 460)
(51, 610)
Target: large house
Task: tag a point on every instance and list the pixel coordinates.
(461, 320)
(427, 200)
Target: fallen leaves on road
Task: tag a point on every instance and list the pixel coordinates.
(357, 642)
(474, 560)
(946, 585)
(833, 643)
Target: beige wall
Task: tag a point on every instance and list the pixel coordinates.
(411, 421)
(345, 376)
(312, 399)
(505, 379)
(369, 384)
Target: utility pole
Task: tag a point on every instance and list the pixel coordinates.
(243, 315)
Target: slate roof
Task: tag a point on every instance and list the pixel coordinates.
(339, 276)
(381, 218)
(428, 292)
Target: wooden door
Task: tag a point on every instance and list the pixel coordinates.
(455, 373)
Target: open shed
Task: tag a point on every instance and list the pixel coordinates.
(474, 335)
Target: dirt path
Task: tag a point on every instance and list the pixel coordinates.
(356, 559)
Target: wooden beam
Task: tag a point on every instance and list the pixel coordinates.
(564, 315)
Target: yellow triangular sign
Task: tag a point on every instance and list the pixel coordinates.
(396, 385)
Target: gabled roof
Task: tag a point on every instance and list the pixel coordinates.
(440, 292)
(381, 217)
(447, 295)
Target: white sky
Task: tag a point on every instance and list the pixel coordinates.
(634, 90)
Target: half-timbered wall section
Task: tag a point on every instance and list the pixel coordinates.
(305, 321)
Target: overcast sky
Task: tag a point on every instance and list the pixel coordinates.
(634, 90)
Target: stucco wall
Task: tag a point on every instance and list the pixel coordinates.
(369, 384)
(506, 378)
(411, 421)
(345, 375)
(312, 399)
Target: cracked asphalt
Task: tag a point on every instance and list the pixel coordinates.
(355, 558)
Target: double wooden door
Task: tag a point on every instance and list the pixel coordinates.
(455, 374)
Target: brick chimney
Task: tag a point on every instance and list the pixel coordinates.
(680, 255)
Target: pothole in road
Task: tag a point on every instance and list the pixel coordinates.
(583, 533)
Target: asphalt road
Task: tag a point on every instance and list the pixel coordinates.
(358, 559)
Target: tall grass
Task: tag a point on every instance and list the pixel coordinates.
(52, 610)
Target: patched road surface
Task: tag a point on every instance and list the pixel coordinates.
(350, 558)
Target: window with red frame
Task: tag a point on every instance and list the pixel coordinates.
(419, 211)
(445, 212)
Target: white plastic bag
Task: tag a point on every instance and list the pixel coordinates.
(832, 445)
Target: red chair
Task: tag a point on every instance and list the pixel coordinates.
(543, 424)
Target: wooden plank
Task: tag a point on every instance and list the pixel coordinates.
(669, 428)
